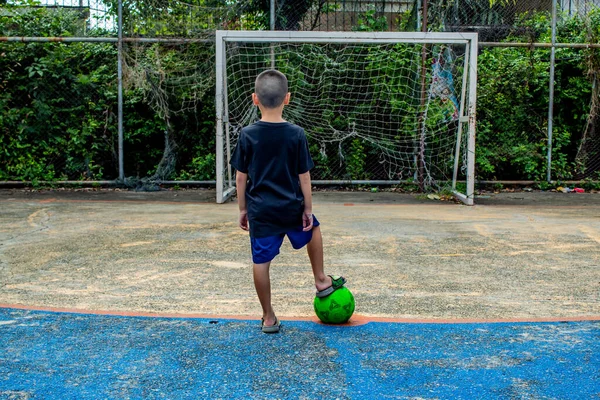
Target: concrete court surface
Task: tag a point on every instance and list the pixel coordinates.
(179, 252)
(530, 260)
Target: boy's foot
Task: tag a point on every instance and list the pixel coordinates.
(336, 283)
(271, 328)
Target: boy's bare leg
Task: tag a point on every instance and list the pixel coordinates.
(262, 283)
(315, 253)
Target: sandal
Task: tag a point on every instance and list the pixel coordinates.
(336, 283)
(270, 328)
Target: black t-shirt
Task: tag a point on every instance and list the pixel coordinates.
(273, 154)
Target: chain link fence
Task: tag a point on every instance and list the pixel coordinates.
(58, 101)
(341, 15)
(77, 18)
(59, 111)
(513, 35)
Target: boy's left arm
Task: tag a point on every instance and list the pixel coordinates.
(306, 187)
(241, 180)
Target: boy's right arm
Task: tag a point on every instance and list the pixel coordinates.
(240, 183)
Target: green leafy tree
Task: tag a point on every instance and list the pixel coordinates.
(513, 104)
(57, 101)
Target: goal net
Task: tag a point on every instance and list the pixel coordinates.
(377, 108)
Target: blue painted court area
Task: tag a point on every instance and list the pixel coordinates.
(46, 355)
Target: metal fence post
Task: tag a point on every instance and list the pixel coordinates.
(120, 88)
(551, 96)
(272, 27)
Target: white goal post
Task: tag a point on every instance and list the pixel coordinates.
(403, 104)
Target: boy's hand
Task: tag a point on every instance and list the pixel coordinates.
(307, 221)
(243, 220)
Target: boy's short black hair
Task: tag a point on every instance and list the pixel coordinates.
(271, 87)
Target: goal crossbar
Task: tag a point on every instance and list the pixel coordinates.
(344, 37)
(467, 117)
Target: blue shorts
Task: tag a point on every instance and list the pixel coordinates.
(265, 249)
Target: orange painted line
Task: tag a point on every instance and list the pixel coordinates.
(356, 319)
(124, 313)
(479, 320)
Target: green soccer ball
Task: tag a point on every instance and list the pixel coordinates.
(336, 308)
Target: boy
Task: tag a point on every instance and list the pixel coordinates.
(274, 192)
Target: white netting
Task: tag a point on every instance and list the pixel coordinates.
(370, 111)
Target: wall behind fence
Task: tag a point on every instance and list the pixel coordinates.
(58, 100)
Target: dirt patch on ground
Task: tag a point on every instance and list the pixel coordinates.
(514, 255)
